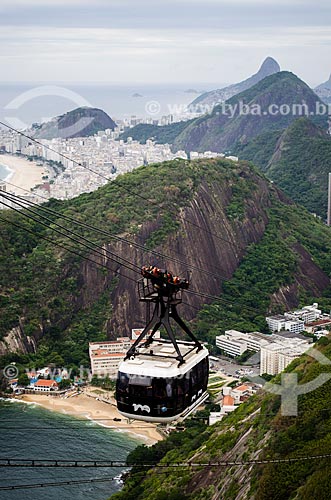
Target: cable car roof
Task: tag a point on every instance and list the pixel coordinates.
(163, 362)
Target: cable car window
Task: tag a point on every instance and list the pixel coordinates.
(122, 382)
(159, 388)
(194, 377)
(170, 386)
(140, 380)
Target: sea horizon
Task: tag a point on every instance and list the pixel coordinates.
(38, 102)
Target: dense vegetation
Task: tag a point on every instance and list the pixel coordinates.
(80, 122)
(267, 266)
(302, 167)
(164, 134)
(227, 127)
(297, 160)
(256, 429)
(44, 286)
(260, 149)
(42, 283)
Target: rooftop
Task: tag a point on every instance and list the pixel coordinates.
(241, 388)
(228, 401)
(45, 383)
(320, 322)
(163, 359)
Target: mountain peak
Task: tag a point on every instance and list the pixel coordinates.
(270, 66)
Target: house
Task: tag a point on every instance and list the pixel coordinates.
(45, 385)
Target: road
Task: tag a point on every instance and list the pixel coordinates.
(229, 368)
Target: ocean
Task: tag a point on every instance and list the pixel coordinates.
(4, 172)
(23, 104)
(31, 432)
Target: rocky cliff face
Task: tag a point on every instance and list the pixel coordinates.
(219, 249)
(220, 208)
(17, 341)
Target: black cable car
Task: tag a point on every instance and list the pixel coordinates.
(162, 380)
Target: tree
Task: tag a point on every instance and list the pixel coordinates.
(65, 384)
(23, 380)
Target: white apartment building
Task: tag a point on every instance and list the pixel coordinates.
(307, 314)
(235, 343)
(276, 356)
(105, 357)
(280, 322)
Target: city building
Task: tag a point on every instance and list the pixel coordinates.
(45, 385)
(322, 323)
(281, 322)
(234, 343)
(275, 357)
(294, 321)
(135, 332)
(232, 398)
(105, 357)
(307, 314)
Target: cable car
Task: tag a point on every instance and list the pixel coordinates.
(161, 380)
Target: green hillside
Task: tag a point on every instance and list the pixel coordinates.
(260, 149)
(63, 302)
(256, 430)
(229, 126)
(298, 160)
(220, 132)
(165, 134)
(80, 122)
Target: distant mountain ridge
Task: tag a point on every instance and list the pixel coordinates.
(219, 131)
(228, 126)
(80, 122)
(324, 91)
(210, 99)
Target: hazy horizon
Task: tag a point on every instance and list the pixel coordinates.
(170, 42)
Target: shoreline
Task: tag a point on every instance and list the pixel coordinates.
(23, 173)
(89, 408)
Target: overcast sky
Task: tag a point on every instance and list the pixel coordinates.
(161, 41)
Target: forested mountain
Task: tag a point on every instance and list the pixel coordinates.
(80, 122)
(255, 430)
(261, 253)
(270, 105)
(298, 160)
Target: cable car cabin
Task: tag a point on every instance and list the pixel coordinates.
(154, 387)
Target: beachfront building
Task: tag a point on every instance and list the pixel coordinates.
(45, 386)
(105, 357)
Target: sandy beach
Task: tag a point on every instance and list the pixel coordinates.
(83, 406)
(25, 174)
